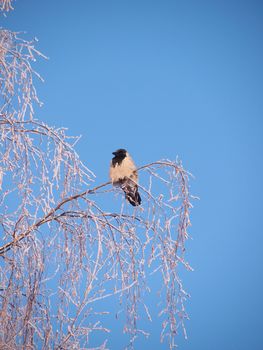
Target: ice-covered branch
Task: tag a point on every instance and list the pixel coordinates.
(67, 245)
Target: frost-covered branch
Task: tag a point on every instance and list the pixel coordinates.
(67, 245)
(6, 5)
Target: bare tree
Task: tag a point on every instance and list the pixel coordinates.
(63, 248)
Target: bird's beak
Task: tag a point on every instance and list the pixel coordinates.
(114, 153)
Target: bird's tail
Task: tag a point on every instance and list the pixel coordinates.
(133, 197)
(131, 192)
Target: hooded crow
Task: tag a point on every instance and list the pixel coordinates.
(123, 173)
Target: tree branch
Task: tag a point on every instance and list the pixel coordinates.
(50, 215)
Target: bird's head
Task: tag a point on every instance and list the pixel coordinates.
(121, 152)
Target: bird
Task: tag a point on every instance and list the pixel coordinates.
(123, 173)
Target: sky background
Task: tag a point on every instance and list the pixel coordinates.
(166, 78)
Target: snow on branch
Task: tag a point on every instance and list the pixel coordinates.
(67, 245)
(6, 5)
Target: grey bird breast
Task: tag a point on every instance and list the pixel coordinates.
(124, 169)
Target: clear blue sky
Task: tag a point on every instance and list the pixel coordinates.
(166, 78)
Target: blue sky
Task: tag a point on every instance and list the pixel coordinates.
(167, 78)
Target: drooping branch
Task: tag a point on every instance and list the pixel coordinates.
(47, 218)
(51, 214)
(165, 234)
(67, 249)
(6, 5)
